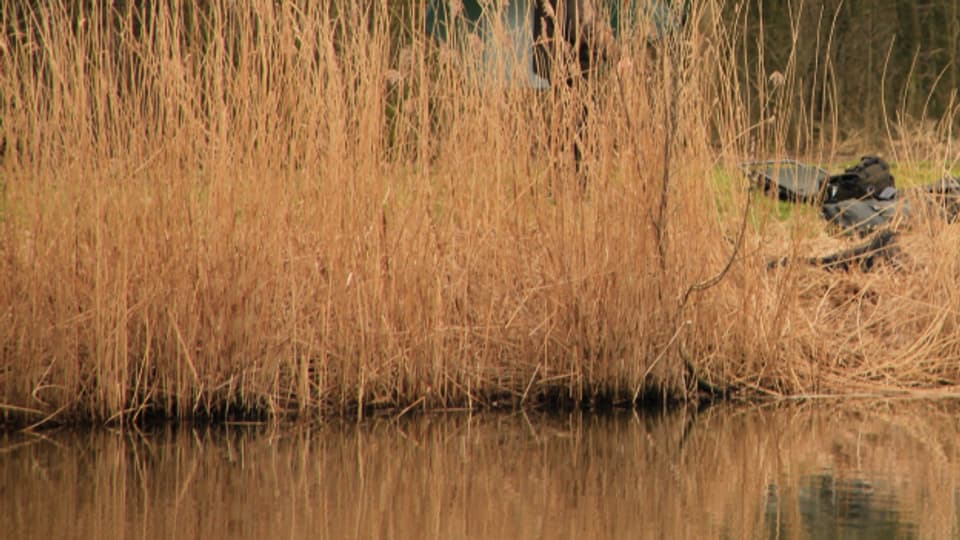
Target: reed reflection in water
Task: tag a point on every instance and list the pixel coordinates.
(868, 471)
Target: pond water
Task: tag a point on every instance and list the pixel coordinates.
(871, 470)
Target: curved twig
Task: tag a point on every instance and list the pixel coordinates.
(718, 277)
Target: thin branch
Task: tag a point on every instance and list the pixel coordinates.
(718, 277)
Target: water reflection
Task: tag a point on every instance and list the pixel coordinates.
(849, 507)
(873, 471)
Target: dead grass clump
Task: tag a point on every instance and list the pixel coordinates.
(279, 207)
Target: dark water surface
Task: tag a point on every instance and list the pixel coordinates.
(887, 470)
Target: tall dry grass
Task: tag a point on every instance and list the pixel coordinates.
(263, 208)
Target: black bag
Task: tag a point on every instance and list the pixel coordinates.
(870, 178)
(862, 199)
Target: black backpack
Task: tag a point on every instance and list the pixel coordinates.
(863, 198)
(870, 178)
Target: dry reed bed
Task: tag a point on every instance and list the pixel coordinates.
(272, 208)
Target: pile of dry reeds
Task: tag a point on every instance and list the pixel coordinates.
(311, 207)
